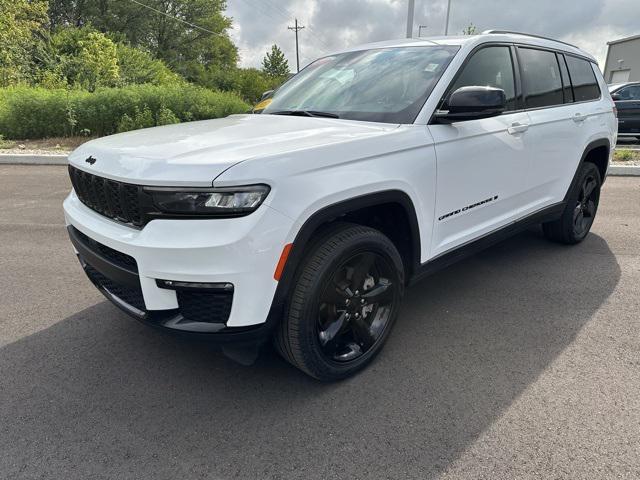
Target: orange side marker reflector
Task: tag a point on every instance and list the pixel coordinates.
(283, 261)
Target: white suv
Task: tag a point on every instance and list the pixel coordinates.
(370, 169)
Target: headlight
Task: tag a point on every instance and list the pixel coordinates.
(227, 201)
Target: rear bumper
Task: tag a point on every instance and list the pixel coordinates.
(235, 258)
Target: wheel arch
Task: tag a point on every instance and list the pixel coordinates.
(349, 210)
(596, 152)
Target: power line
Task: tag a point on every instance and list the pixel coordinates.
(193, 25)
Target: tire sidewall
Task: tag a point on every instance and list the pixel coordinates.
(586, 168)
(367, 241)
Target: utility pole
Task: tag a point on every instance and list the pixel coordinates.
(412, 4)
(446, 24)
(296, 28)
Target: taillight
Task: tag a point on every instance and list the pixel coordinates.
(615, 111)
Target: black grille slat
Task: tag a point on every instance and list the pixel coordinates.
(113, 195)
(101, 197)
(132, 201)
(117, 200)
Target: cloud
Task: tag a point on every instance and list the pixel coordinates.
(335, 24)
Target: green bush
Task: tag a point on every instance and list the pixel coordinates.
(249, 83)
(138, 67)
(27, 112)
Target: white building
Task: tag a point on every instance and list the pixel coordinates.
(623, 60)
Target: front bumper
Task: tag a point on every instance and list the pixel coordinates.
(239, 254)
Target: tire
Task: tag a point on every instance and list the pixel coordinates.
(332, 328)
(580, 211)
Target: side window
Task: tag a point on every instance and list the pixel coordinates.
(566, 81)
(629, 93)
(540, 78)
(585, 85)
(489, 67)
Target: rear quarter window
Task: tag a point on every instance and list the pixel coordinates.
(583, 79)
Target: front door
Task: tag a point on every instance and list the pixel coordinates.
(481, 165)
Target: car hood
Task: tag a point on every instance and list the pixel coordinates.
(195, 153)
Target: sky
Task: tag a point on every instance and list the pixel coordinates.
(335, 24)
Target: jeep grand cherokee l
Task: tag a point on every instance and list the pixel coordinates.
(370, 169)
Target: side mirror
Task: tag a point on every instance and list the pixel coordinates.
(471, 103)
(616, 97)
(266, 94)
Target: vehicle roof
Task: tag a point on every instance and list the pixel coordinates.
(472, 41)
(618, 86)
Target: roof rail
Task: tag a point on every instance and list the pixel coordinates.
(486, 32)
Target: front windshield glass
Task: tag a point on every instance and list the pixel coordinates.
(381, 85)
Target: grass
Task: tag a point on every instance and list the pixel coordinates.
(6, 144)
(625, 155)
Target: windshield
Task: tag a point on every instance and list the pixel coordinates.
(382, 85)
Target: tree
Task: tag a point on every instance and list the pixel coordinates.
(85, 57)
(274, 64)
(21, 24)
(186, 34)
(470, 29)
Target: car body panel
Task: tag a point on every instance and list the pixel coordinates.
(195, 153)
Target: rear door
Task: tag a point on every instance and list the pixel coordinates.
(628, 105)
(480, 163)
(561, 118)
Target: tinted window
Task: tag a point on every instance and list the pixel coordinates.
(566, 81)
(585, 85)
(629, 93)
(489, 67)
(378, 85)
(540, 78)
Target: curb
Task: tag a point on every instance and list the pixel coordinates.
(624, 170)
(25, 159)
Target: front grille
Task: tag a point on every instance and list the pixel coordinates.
(129, 295)
(209, 307)
(121, 259)
(117, 200)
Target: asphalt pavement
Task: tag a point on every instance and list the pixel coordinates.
(521, 362)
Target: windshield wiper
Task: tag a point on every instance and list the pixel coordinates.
(305, 113)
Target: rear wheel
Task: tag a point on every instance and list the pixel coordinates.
(345, 300)
(580, 212)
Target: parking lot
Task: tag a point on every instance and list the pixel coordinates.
(521, 362)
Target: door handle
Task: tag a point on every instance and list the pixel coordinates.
(579, 117)
(517, 127)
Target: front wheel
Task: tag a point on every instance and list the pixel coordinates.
(580, 211)
(345, 299)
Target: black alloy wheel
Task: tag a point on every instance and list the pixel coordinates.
(355, 307)
(585, 209)
(345, 298)
(580, 207)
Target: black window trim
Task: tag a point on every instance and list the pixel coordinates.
(563, 61)
(517, 65)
